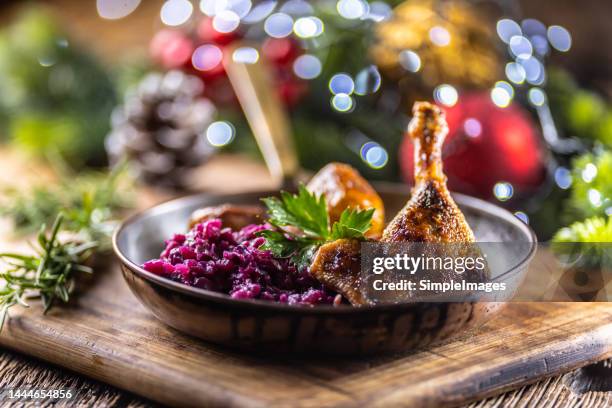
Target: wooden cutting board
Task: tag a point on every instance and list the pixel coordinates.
(107, 335)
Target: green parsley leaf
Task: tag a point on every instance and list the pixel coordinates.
(304, 210)
(352, 224)
(306, 214)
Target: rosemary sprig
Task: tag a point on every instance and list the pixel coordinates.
(87, 201)
(48, 273)
(80, 207)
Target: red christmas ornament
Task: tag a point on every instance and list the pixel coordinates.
(486, 145)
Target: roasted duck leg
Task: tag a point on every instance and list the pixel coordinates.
(431, 214)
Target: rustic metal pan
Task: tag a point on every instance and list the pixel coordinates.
(258, 325)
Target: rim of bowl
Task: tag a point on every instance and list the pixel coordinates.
(382, 187)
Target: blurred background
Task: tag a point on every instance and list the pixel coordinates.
(88, 85)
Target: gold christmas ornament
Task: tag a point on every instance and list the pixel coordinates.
(427, 43)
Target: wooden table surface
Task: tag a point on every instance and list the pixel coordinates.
(588, 387)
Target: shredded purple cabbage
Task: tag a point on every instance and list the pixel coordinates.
(222, 260)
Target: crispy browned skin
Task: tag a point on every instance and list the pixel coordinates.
(343, 187)
(232, 216)
(431, 214)
(338, 265)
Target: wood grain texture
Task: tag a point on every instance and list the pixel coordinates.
(105, 334)
(21, 372)
(582, 387)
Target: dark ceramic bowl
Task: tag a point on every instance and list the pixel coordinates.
(259, 325)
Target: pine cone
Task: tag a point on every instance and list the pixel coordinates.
(160, 129)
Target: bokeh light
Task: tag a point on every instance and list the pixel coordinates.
(594, 197)
(522, 216)
(62, 42)
(503, 191)
(536, 96)
(439, 36)
(308, 27)
(506, 29)
(505, 86)
(410, 60)
(532, 27)
(368, 81)
(220, 133)
(297, 8)
(352, 9)
(446, 95)
(226, 21)
(589, 173)
(206, 57)
(540, 44)
(380, 11)
(341, 83)
(559, 38)
(116, 9)
(342, 102)
(515, 72)
(472, 127)
(520, 47)
(279, 25)
(500, 97)
(176, 12)
(47, 60)
(215, 7)
(246, 55)
(260, 11)
(534, 70)
(563, 178)
(374, 155)
(307, 66)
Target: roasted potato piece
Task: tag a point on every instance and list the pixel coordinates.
(343, 187)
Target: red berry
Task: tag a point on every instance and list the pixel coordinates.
(171, 48)
(280, 51)
(291, 91)
(221, 92)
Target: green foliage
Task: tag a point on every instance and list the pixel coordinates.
(54, 95)
(586, 243)
(308, 224)
(591, 191)
(594, 229)
(48, 273)
(580, 112)
(303, 210)
(87, 201)
(80, 207)
(352, 224)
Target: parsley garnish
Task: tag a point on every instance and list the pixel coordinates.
(301, 224)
